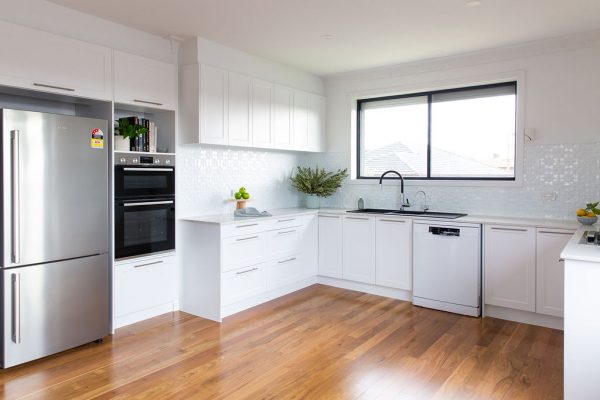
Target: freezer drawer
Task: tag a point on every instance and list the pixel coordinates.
(53, 307)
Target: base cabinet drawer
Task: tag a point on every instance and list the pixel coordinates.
(284, 271)
(242, 283)
(241, 251)
(147, 284)
(285, 241)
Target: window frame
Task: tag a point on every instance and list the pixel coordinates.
(429, 94)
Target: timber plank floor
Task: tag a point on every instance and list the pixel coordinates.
(317, 343)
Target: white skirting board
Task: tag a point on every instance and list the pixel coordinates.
(525, 317)
(132, 318)
(366, 288)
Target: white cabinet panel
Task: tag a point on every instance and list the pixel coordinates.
(43, 61)
(240, 88)
(262, 115)
(550, 271)
(394, 253)
(243, 283)
(300, 131)
(285, 241)
(284, 271)
(241, 251)
(359, 249)
(282, 120)
(213, 105)
(510, 267)
(144, 284)
(330, 245)
(145, 82)
(316, 122)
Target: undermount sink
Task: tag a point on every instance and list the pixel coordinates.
(430, 214)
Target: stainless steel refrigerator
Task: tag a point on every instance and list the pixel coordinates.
(55, 263)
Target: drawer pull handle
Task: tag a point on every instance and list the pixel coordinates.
(53, 87)
(147, 102)
(362, 219)
(509, 229)
(284, 232)
(246, 271)
(286, 220)
(329, 216)
(392, 220)
(286, 261)
(245, 226)
(145, 265)
(246, 238)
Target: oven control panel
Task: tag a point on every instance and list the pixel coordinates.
(166, 160)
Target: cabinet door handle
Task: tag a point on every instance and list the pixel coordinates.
(286, 261)
(246, 238)
(16, 308)
(15, 211)
(246, 271)
(329, 216)
(393, 220)
(509, 229)
(286, 220)
(147, 102)
(53, 87)
(145, 265)
(362, 219)
(557, 233)
(284, 232)
(245, 226)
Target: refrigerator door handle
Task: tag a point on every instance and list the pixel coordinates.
(16, 233)
(16, 308)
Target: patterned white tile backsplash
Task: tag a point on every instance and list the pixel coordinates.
(207, 174)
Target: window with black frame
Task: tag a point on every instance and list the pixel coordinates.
(466, 133)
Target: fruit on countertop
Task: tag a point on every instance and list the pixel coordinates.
(245, 195)
(590, 210)
(580, 213)
(238, 196)
(242, 194)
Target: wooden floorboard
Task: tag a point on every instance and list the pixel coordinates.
(317, 343)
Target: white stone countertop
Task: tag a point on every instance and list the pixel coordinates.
(477, 219)
(582, 252)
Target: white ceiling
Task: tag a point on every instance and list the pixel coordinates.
(366, 33)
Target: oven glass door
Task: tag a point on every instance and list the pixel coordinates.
(144, 181)
(144, 226)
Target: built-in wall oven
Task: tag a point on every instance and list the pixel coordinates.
(144, 205)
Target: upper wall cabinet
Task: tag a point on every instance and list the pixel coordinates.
(144, 82)
(226, 108)
(43, 61)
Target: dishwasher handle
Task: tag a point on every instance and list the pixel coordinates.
(444, 231)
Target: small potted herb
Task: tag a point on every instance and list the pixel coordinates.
(317, 183)
(127, 131)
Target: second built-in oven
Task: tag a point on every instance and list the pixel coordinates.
(144, 176)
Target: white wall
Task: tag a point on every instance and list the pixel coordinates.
(561, 95)
(207, 174)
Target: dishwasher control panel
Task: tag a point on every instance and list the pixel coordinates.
(444, 231)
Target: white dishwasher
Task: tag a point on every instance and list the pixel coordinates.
(447, 266)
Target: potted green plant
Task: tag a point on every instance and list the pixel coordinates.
(317, 183)
(127, 131)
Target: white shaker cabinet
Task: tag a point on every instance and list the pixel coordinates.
(300, 126)
(43, 61)
(144, 82)
(239, 110)
(550, 270)
(510, 266)
(359, 249)
(213, 105)
(330, 245)
(262, 113)
(282, 118)
(394, 253)
(316, 122)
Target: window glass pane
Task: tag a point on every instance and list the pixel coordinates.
(473, 136)
(394, 136)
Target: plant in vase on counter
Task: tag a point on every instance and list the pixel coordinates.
(588, 215)
(317, 183)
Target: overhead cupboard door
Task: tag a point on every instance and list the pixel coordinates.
(39, 60)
